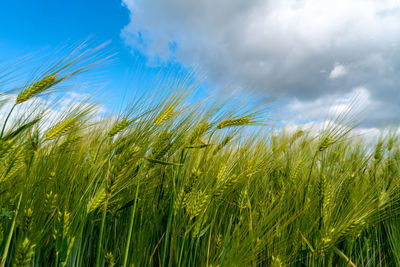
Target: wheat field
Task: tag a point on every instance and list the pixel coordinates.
(175, 182)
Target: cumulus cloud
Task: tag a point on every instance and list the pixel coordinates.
(332, 106)
(302, 50)
(337, 71)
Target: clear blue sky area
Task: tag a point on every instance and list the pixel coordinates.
(28, 26)
(31, 24)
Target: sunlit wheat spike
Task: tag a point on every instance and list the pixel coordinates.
(118, 128)
(121, 167)
(161, 146)
(179, 201)
(198, 226)
(322, 188)
(325, 143)
(242, 201)
(221, 173)
(378, 151)
(353, 227)
(391, 143)
(23, 253)
(60, 129)
(164, 116)
(218, 241)
(196, 203)
(97, 200)
(350, 229)
(71, 140)
(192, 181)
(120, 147)
(327, 202)
(15, 167)
(55, 233)
(297, 169)
(222, 144)
(383, 199)
(195, 173)
(276, 262)
(57, 230)
(37, 88)
(295, 136)
(5, 147)
(66, 222)
(49, 202)
(109, 259)
(12, 164)
(225, 185)
(124, 161)
(234, 122)
(250, 168)
(27, 220)
(114, 183)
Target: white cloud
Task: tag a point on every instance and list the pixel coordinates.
(337, 71)
(322, 113)
(73, 100)
(279, 47)
(330, 106)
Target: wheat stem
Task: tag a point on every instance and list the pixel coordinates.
(132, 219)
(5, 122)
(103, 219)
(10, 234)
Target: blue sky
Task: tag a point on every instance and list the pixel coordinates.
(30, 26)
(33, 24)
(314, 56)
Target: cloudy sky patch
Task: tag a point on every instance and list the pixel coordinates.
(337, 71)
(302, 50)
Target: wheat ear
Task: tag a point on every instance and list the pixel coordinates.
(164, 116)
(60, 129)
(36, 88)
(118, 128)
(234, 122)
